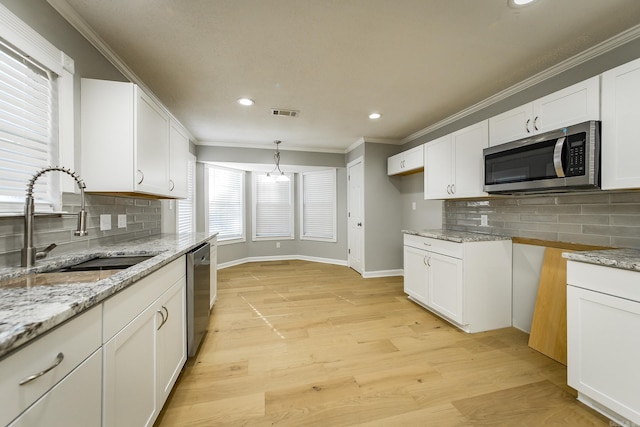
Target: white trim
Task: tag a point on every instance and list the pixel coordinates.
(25, 38)
(267, 147)
(281, 258)
(382, 273)
(582, 57)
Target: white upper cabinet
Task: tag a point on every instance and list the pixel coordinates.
(574, 104)
(620, 134)
(126, 142)
(178, 150)
(454, 165)
(407, 162)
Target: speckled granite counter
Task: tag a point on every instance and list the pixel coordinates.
(627, 259)
(28, 311)
(457, 236)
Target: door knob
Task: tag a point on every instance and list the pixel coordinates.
(359, 224)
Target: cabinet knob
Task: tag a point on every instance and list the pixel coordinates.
(140, 176)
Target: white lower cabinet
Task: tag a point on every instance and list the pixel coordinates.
(468, 284)
(603, 313)
(143, 359)
(36, 377)
(74, 401)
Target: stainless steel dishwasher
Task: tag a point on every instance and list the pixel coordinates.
(198, 270)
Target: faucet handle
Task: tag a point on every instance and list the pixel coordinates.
(45, 251)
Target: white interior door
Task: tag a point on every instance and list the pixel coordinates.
(356, 216)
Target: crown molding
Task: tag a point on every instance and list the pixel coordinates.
(582, 57)
(78, 22)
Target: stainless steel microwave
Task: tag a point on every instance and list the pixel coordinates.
(566, 159)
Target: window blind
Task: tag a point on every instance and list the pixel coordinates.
(186, 207)
(226, 203)
(318, 205)
(28, 128)
(272, 208)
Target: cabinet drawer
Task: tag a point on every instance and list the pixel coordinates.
(76, 340)
(607, 280)
(123, 307)
(443, 247)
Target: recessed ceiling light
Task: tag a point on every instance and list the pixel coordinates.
(374, 116)
(519, 3)
(245, 101)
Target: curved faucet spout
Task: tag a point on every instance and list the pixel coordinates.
(29, 253)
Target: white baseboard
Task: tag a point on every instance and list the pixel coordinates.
(382, 273)
(281, 258)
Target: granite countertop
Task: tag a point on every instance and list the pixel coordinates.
(627, 259)
(30, 305)
(457, 236)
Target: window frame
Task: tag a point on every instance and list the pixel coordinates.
(255, 176)
(62, 151)
(191, 193)
(207, 194)
(334, 198)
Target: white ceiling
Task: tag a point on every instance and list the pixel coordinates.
(415, 61)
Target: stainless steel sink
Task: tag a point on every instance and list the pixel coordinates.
(106, 263)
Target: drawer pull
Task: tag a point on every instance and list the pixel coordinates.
(59, 359)
(427, 244)
(163, 319)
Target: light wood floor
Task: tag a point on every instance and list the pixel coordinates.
(301, 344)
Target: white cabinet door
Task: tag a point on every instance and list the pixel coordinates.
(415, 274)
(406, 162)
(171, 340)
(74, 401)
(511, 125)
(213, 272)
(468, 162)
(394, 164)
(572, 105)
(130, 373)
(438, 162)
(620, 133)
(603, 354)
(445, 286)
(152, 146)
(575, 104)
(178, 150)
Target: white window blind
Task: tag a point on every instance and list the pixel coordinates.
(318, 205)
(272, 208)
(186, 211)
(28, 128)
(226, 203)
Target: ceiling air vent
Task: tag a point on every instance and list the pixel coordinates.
(286, 113)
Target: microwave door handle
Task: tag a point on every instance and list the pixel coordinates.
(557, 157)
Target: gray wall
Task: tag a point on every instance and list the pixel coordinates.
(143, 216)
(228, 253)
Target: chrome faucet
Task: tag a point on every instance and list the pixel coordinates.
(29, 253)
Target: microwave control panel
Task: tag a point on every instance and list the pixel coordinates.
(576, 148)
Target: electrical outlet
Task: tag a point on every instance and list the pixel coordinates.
(105, 222)
(122, 221)
(484, 221)
(413, 206)
(277, 245)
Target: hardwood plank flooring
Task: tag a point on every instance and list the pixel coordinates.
(297, 343)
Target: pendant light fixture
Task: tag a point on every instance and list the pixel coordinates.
(279, 176)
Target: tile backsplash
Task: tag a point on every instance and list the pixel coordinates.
(603, 218)
(143, 219)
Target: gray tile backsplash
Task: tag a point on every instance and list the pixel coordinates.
(143, 219)
(604, 218)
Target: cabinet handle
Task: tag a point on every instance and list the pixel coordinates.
(424, 261)
(167, 311)
(59, 359)
(429, 262)
(535, 125)
(171, 185)
(526, 126)
(453, 189)
(140, 176)
(163, 319)
(427, 244)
